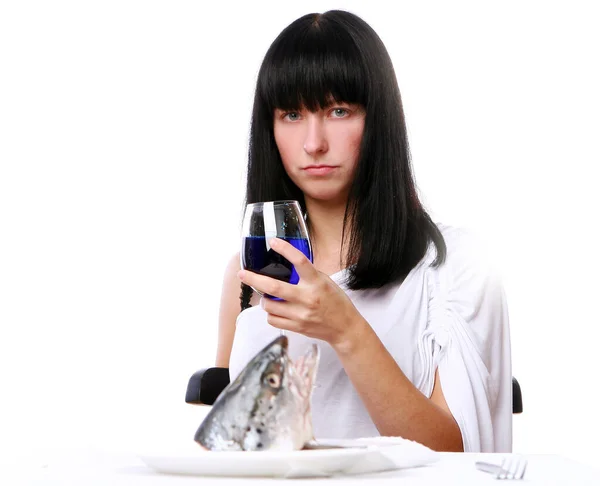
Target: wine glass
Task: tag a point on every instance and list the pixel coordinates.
(264, 221)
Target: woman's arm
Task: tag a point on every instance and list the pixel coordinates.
(395, 405)
(228, 311)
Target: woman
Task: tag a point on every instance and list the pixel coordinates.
(411, 322)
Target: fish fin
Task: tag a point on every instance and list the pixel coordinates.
(307, 365)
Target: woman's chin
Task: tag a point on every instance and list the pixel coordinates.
(326, 196)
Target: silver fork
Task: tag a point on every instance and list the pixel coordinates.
(512, 467)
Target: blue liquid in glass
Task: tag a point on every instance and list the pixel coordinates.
(257, 258)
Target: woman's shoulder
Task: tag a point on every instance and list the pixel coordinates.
(459, 236)
(468, 286)
(467, 253)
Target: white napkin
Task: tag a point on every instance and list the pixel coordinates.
(390, 453)
(381, 454)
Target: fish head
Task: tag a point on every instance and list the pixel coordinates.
(267, 407)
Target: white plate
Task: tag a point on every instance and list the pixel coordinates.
(307, 463)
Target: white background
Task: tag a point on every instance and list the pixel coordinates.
(123, 138)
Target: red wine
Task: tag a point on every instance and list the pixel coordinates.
(258, 259)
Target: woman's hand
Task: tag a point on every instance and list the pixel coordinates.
(315, 307)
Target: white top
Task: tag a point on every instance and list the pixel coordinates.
(453, 317)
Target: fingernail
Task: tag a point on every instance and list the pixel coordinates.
(241, 274)
(274, 242)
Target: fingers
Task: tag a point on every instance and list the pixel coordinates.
(307, 273)
(281, 323)
(304, 267)
(268, 285)
(284, 309)
(287, 315)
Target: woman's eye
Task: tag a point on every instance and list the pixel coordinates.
(339, 112)
(292, 116)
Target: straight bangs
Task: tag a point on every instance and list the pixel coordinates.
(311, 65)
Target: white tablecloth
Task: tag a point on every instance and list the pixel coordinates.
(90, 468)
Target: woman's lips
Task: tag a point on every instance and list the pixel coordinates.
(319, 169)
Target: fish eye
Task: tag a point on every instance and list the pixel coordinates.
(273, 380)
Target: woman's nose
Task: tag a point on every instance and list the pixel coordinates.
(315, 141)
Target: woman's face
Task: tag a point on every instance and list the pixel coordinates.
(320, 150)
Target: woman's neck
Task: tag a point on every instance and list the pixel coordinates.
(326, 223)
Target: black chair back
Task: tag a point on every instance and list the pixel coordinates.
(205, 386)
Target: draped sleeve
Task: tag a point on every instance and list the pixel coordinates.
(468, 334)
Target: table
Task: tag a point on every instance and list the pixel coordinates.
(94, 467)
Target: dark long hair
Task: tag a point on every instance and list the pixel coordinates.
(338, 55)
